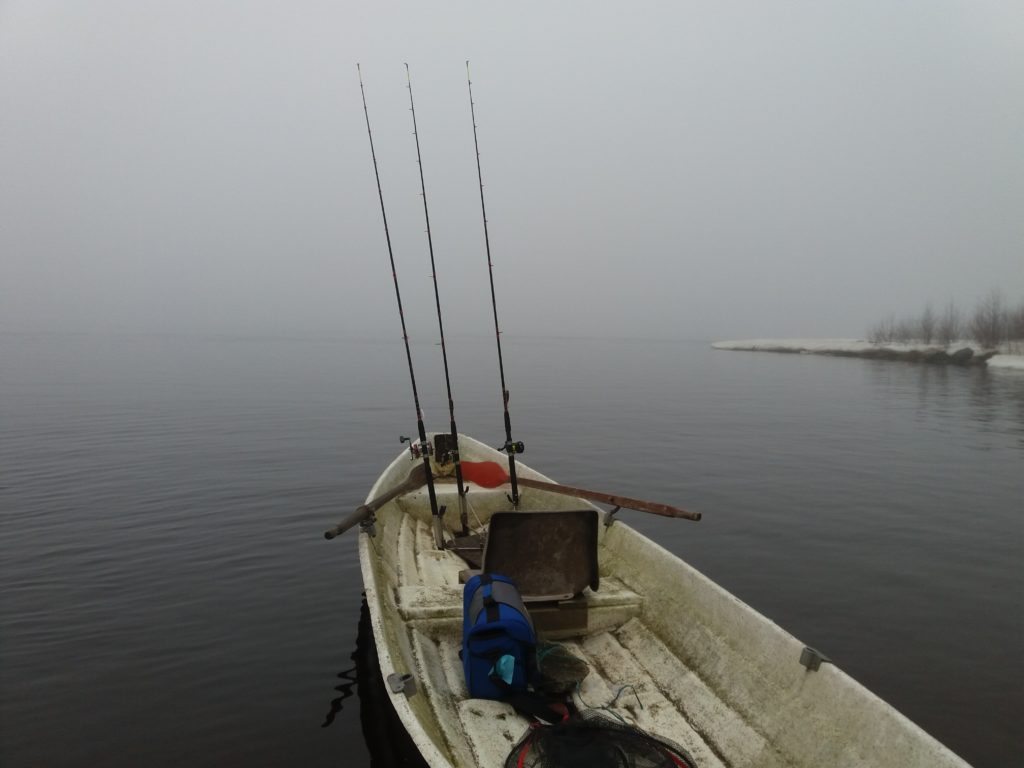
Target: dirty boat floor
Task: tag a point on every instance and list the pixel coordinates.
(709, 673)
(672, 700)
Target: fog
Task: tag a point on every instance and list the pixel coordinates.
(677, 170)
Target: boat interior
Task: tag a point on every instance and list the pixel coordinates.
(665, 648)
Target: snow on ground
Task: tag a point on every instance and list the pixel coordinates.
(1008, 357)
(797, 345)
(1014, 362)
(826, 346)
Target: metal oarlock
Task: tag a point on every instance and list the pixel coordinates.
(402, 684)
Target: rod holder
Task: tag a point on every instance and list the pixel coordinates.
(813, 659)
(402, 684)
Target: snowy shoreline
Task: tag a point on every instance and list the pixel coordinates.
(961, 353)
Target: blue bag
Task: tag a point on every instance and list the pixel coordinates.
(498, 642)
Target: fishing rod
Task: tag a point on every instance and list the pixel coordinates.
(423, 449)
(453, 449)
(510, 447)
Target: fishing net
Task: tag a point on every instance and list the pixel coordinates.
(590, 740)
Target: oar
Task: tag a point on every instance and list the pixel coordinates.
(490, 474)
(417, 478)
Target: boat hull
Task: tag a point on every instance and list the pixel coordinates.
(709, 672)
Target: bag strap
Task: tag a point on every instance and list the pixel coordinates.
(494, 593)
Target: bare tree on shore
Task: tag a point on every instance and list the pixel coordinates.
(926, 325)
(949, 327)
(1015, 324)
(988, 323)
(883, 332)
(991, 324)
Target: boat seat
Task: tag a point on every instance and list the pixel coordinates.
(550, 555)
(441, 606)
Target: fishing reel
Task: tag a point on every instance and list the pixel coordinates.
(511, 447)
(418, 450)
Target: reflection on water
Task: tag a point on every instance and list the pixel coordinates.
(994, 397)
(999, 395)
(346, 689)
(387, 741)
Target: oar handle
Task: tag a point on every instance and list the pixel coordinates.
(608, 498)
(352, 520)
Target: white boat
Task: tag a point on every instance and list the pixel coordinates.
(708, 672)
(702, 669)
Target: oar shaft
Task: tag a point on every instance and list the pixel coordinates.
(608, 498)
(417, 479)
(490, 474)
(361, 514)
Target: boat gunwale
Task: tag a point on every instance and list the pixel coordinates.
(834, 679)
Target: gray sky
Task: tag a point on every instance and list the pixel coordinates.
(676, 170)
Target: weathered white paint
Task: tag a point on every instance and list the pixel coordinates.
(713, 674)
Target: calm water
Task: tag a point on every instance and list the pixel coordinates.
(167, 599)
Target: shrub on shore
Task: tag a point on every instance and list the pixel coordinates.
(950, 325)
(991, 324)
